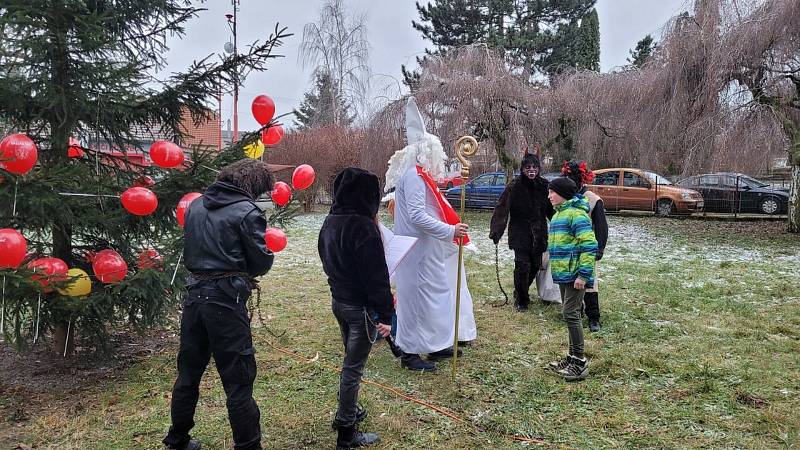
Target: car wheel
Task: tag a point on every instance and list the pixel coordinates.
(665, 208)
(769, 205)
(450, 185)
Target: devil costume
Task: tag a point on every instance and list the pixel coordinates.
(525, 201)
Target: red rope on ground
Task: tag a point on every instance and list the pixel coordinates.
(399, 393)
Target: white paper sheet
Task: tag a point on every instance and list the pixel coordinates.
(395, 247)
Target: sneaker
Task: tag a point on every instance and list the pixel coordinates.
(576, 370)
(417, 364)
(594, 326)
(560, 364)
(443, 354)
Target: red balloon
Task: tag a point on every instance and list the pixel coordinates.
(144, 181)
(149, 259)
(139, 201)
(183, 205)
(303, 177)
(74, 150)
(276, 239)
(263, 109)
(166, 154)
(48, 270)
(109, 267)
(18, 154)
(12, 248)
(272, 135)
(281, 194)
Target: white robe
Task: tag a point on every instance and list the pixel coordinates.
(426, 279)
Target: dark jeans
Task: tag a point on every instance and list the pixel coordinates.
(571, 305)
(526, 265)
(356, 338)
(213, 325)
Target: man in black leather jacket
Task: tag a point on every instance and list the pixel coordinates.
(224, 250)
(352, 255)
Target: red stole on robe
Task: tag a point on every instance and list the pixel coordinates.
(449, 214)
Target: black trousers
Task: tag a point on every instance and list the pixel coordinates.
(591, 304)
(526, 266)
(357, 336)
(213, 325)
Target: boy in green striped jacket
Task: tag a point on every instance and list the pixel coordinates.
(573, 248)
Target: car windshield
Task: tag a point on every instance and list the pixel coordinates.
(752, 182)
(657, 179)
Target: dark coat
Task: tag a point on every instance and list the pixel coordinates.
(526, 202)
(224, 232)
(351, 248)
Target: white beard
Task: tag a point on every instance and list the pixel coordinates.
(427, 152)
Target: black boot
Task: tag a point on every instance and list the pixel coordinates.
(350, 437)
(193, 444)
(591, 304)
(443, 354)
(414, 362)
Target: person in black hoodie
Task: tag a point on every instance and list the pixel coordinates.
(525, 200)
(351, 250)
(224, 250)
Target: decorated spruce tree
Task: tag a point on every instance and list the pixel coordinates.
(71, 70)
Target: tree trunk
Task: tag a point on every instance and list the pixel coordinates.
(794, 200)
(62, 339)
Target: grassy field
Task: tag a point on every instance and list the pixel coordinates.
(700, 348)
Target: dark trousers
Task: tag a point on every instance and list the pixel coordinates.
(571, 305)
(591, 304)
(357, 336)
(526, 265)
(213, 325)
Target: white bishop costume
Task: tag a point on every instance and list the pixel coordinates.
(426, 279)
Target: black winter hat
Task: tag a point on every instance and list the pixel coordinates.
(564, 187)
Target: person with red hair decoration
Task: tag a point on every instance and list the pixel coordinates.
(579, 173)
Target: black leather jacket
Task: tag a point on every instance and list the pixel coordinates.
(224, 232)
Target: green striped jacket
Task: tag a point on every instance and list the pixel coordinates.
(572, 244)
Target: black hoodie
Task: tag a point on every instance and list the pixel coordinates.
(225, 233)
(350, 245)
(525, 200)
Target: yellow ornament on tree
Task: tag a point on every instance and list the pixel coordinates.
(80, 286)
(254, 150)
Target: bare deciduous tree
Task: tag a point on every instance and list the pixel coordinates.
(722, 92)
(336, 45)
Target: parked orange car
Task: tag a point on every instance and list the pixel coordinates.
(635, 189)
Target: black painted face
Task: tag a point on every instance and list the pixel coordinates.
(530, 171)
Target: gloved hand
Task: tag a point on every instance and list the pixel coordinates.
(495, 238)
(599, 255)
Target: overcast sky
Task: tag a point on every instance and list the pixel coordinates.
(392, 39)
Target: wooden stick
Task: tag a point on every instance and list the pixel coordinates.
(3, 310)
(38, 311)
(175, 273)
(66, 339)
(14, 208)
(73, 194)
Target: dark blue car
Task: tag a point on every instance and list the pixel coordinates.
(482, 191)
